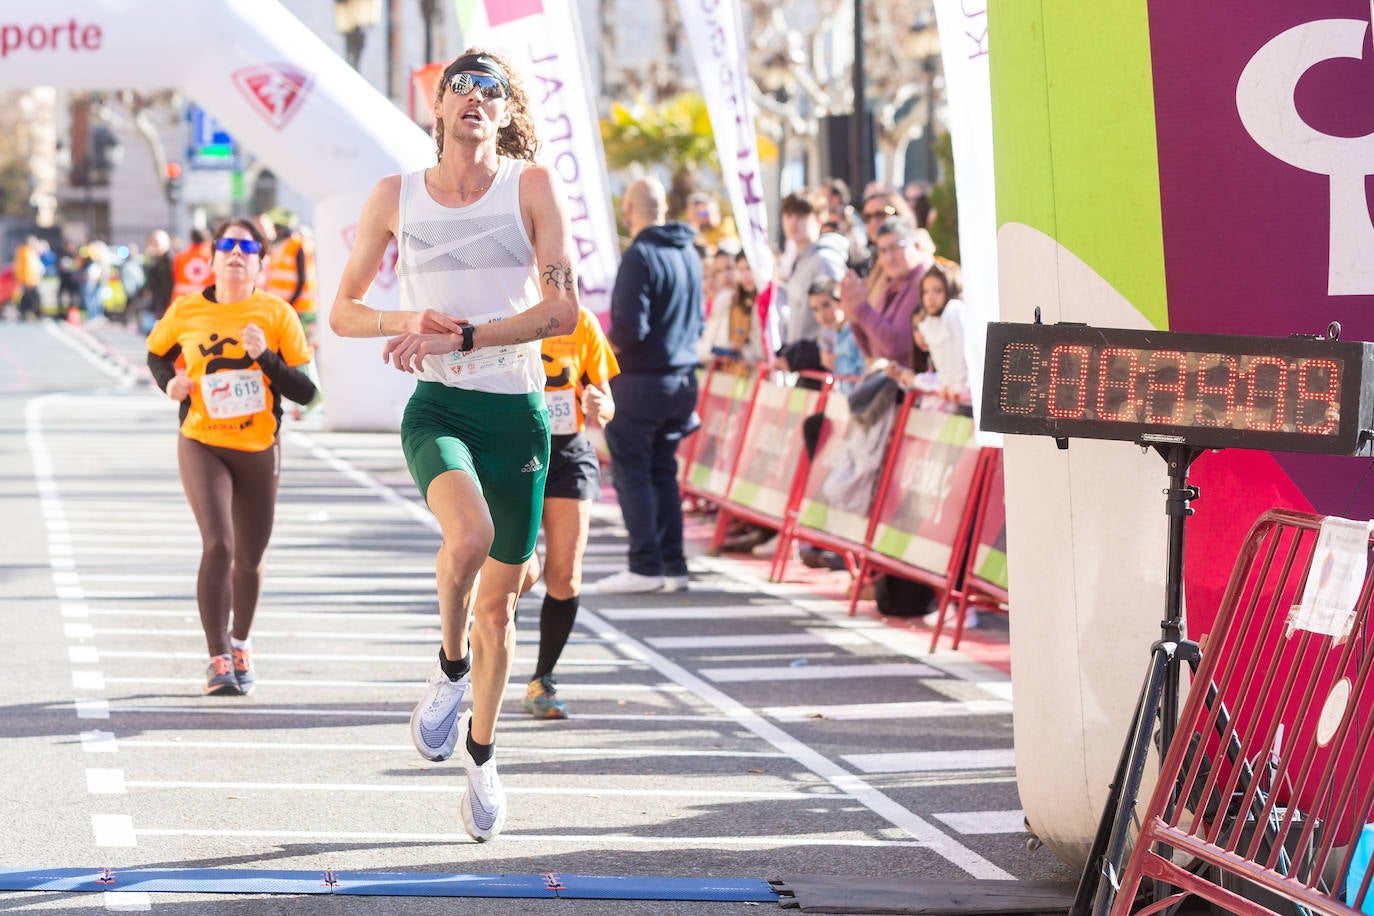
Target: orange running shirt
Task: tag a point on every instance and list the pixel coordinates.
(242, 411)
(582, 357)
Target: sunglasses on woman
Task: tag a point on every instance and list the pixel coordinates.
(247, 246)
(490, 86)
(879, 214)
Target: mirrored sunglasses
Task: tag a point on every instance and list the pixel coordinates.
(879, 214)
(463, 83)
(247, 246)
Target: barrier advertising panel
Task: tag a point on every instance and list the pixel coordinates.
(772, 449)
(828, 505)
(923, 506)
(989, 563)
(724, 406)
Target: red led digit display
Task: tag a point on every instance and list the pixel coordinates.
(1286, 394)
(1068, 381)
(1168, 386)
(1318, 386)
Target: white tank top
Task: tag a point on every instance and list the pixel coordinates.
(474, 262)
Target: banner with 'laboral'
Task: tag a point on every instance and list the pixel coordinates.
(544, 45)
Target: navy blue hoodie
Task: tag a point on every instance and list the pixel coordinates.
(656, 312)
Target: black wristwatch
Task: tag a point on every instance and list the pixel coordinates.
(466, 330)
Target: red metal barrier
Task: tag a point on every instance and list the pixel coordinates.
(771, 464)
(984, 576)
(923, 512)
(724, 404)
(820, 518)
(1269, 778)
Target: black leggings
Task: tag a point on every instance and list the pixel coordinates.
(233, 495)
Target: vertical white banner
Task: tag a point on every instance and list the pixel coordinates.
(543, 42)
(714, 28)
(963, 28)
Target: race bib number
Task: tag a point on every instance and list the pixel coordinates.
(235, 393)
(562, 411)
(487, 360)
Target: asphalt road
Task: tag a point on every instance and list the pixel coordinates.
(739, 730)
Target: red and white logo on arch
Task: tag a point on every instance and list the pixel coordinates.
(275, 91)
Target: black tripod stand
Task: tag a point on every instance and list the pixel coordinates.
(1158, 700)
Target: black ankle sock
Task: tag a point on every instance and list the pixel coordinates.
(480, 753)
(556, 618)
(454, 670)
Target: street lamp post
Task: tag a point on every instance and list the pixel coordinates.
(861, 158)
(351, 19)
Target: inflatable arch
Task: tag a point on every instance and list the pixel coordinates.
(294, 102)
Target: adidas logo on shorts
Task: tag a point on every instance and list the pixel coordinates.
(534, 464)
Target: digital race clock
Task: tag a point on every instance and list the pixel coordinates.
(1294, 394)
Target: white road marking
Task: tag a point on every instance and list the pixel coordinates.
(88, 680)
(813, 637)
(416, 687)
(980, 823)
(917, 709)
(113, 830)
(127, 901)
(92, 709)
(598, 841)
(457, 788)
(83, 655)
(78, 631)
(105, 782)
(926, 833)
(668, 612)
(98, 742)
(809, 672)
(925, 761)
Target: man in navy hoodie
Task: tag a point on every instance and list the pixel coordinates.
(656, 322)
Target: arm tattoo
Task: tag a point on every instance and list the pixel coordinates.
(559, 276)
(548, 330)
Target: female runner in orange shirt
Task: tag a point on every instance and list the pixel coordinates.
(243, 352)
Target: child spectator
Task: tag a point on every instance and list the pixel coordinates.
(737, 330)
(937, 331)
(839, 350)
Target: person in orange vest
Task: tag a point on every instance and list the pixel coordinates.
(28, 273)
(191, 271)
(291, 266)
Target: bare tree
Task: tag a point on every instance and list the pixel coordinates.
(801, 63)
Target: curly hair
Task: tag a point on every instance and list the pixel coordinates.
(517, 140)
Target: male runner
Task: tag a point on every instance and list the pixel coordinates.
(486, 273)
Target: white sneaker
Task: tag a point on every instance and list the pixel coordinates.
(434, 722)
(627, 583)
(484, 803)
(675, 583)
(970, 618)
(765, 549)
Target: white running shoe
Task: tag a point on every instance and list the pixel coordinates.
(626, 582)
(484, 803)
(676, 583)
(970, 618)
(434, 723)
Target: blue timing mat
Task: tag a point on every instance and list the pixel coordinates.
(389, 884)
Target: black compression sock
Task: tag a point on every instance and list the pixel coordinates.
(454, 670)
(556, 617)
(480, 753)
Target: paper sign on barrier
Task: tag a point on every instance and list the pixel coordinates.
(1339, 563)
